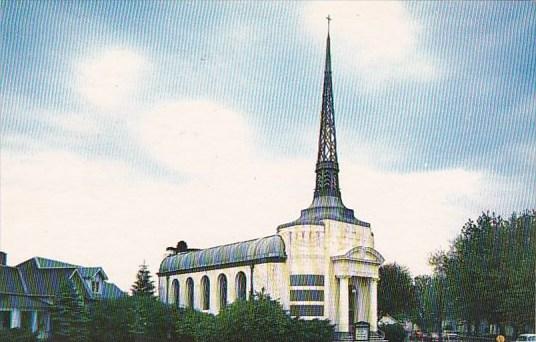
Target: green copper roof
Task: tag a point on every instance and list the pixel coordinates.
(267, 249)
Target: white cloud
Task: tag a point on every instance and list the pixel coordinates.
(379, 40)
(110, 78)
(413, 214)
(196, 137)
(99, 213)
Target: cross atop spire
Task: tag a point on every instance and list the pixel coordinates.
(327, 168)
(329, 19)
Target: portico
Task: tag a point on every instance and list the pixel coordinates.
(357, 273)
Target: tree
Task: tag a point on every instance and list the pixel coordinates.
(134, 318)
(489, 270)
(432, 300)
(111, 319)
(70, 315)
(144, 285)
(396, 294)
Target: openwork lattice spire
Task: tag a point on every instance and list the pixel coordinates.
(327, 202)
(327, 168)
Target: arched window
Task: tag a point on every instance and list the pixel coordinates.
(175, 294)
(241, 290)
(190, 292)
(205, 286)
(222, 290)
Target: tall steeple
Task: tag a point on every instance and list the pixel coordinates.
(327, 168)
(327, 202)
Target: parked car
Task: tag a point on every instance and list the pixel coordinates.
(450, 336)
(526, 338)
(434, 337)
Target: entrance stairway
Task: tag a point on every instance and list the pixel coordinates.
(375, 336)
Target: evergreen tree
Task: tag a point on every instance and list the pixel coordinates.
(138, 326)
(70, 316)
(144, 285)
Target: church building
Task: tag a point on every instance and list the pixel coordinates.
(322, 265)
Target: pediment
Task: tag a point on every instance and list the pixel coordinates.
(361, 254)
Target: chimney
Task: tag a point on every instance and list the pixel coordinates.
(3, 259)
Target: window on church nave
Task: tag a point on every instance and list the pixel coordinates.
(241, 291)
(176, 293)
(190, 292)
(306, 280)
(222, 288)
(205, 286)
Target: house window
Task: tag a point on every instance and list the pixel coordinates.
(95, 286)
(5, 319)
(26, 320)
(205, 285)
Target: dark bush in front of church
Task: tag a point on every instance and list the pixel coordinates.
(146, 319)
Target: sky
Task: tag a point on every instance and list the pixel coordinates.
(128, 126)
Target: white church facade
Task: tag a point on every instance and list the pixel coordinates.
(322, 265)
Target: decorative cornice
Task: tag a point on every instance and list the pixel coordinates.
(351, 256)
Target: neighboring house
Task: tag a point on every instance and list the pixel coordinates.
(27, 291)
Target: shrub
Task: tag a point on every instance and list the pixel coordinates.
(394, 332)
(17, 335)
(264, 320)
(312, 330)
(142, 318)
(194, 326)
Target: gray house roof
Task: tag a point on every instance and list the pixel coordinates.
(49, 263)
(266, 249)
(21, 302)
(36, 281)
(110, 290)
(11, 280)
(90, 272)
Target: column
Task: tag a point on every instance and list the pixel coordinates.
(373, 309)
(34, 321)
(361, 299)
(231, 287)
(47, 324)
(214, 295)
(343, 304)
(15, 318)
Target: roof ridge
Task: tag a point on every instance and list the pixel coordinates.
(23, 281)
(67, 265)
(229, 244)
